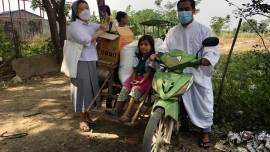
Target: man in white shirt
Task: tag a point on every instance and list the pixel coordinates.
(188, 37)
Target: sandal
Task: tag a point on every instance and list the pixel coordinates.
(204, 144)
(89, 121)
(84, 127)
(125, 118)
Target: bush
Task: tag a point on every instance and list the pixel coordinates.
(38, 45)
(246, 97)
(6, 46)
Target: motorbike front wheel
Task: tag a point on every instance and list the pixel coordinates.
(155, 132)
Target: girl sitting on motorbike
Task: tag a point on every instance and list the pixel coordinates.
(140, 81)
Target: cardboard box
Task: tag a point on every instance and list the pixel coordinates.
(110, 45)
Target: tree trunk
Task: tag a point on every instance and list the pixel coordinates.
(51, 12)
(62, 25)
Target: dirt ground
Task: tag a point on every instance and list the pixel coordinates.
(243, 43)
(54, 128)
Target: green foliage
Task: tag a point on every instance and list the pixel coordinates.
(6, 46)
(245, 102)
(251, 24)
(170, 4)
(35, 4)
(67, 10)
(137, 17)
(219, 23)
(171, 16)
(247, 25)
(38, 4)
(263, 26)
(252, 8)
(158, 2)
(38, 45)
(94, 18)
(256, 7)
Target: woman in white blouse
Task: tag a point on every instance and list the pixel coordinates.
(85, 86)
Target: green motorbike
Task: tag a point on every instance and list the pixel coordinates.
(169, 84)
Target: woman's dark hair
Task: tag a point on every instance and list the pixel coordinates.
(150, 40)
(108, 10)
(74, 9)
(120, 15)
(191, 1)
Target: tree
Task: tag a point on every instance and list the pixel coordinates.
(135, 18)
(255, 7)
(219, 23)
(168, 10)
(247, 26)
(170, 16)
(171, 4)
(263, 25)
(56, 12)
(94, 18)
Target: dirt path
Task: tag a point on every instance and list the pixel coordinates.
(55, 127)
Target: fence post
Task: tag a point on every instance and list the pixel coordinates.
(227, 63)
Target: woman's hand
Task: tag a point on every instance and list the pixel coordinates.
(108, 19)
(96, 35)
(103, 26)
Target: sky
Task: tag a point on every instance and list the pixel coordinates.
(208, 8)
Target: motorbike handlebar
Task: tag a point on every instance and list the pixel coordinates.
(195, 63)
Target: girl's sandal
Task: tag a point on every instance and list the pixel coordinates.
(204, 144)
(90, 121)
(84, 127)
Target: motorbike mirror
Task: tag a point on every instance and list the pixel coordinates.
(210, 41)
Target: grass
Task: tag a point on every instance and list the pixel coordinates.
(246, 95)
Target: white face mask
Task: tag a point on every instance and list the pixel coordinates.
(85, 15)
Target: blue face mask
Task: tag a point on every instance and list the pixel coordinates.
(185, 16)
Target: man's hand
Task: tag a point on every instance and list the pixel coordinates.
(153, 57)
(205, 62)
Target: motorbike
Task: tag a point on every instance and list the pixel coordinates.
(169, 83)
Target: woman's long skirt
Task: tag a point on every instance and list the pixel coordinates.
(85, 86)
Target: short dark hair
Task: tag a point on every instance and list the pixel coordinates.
(120, 15)
(192, 2)
(108, 10)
